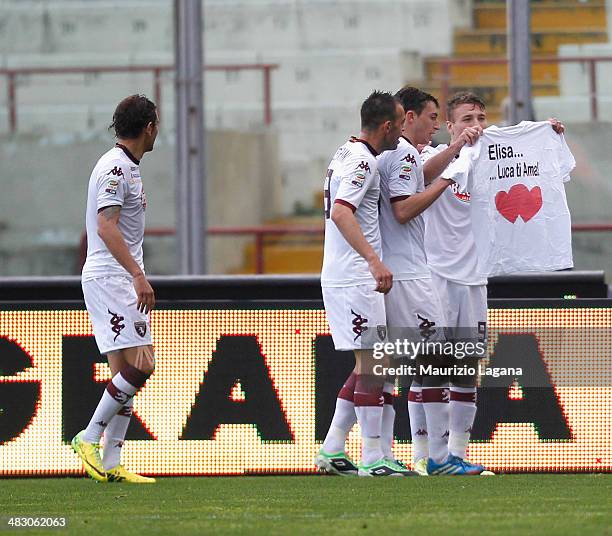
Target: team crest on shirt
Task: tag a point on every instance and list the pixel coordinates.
(462, 196)
(358, 178)
(141, 328)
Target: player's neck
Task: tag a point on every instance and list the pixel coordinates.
(410, 135)
(135, 147)
(375, 141)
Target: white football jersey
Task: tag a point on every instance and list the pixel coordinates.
(352, 180)
(520, 218)
(114, 181)
(449, 241)
(401, 175)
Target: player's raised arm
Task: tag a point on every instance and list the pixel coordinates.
(435, 165)
(410, 207)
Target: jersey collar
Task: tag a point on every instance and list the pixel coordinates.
(408, 141)
(355, 139)
(127, 153)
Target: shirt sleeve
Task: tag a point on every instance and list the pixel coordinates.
(112, 185)
(566, 159)
(459, 170)
(358, 176)
(427, 152)
(402, 175)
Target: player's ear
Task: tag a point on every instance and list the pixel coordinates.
(449, 127)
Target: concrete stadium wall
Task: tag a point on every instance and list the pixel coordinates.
(44, 190)
(331, 53)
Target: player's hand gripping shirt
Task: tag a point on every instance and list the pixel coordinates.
(401, 175)
(114, 181)
(449, 242)
(352, 180)
(520, 218)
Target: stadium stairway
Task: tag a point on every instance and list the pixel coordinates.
(290, 253)
(553, 23)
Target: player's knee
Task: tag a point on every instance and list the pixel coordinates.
(148, 367)
(147, 363)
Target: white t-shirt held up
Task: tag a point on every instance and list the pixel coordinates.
(520, 218)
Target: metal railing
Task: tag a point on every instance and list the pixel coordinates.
(156, 71)
(260, 232)
(590, 61)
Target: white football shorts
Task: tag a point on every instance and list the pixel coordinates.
(414, 305)
(356, 316)
(465, 305)
(117, 323)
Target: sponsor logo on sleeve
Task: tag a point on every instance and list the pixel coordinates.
(365, 166)
(111, 186)
(405, 171)
(358, 179)
(410, 159)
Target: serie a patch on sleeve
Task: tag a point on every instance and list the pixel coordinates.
(111, 186)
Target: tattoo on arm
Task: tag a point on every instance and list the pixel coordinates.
(110, 213)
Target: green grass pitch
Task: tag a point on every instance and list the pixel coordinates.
(496, 505)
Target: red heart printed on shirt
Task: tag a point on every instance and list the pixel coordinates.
(519, 201)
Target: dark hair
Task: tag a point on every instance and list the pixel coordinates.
(132, 115)
(415, 100)
(379, 107)
(463, 97)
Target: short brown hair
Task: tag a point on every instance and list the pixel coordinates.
(463, 97)
(132, 116)
(379, 107)
(415, 100)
